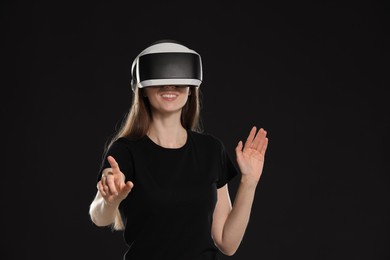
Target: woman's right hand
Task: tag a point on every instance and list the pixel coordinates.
(112, 185)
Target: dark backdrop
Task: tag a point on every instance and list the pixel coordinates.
(314, 75)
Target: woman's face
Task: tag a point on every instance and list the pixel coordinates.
(167, 99)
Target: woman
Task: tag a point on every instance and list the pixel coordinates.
(162, 180)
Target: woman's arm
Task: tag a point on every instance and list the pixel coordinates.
(230, 222)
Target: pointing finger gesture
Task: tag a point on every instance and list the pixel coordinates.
(112, 185)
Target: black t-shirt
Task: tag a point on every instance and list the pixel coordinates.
(168, 214)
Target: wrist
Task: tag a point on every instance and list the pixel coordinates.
(248, 181)
(111, 204)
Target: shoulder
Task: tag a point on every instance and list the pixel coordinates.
(121, 142)
(205, 138)
(124, 143)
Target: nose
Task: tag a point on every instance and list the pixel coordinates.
(169, 87)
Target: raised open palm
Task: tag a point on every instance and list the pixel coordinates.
(250, 156)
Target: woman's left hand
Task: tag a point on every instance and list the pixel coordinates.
(250, 156)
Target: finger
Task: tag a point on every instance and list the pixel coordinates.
(265, 145)
(239, 150)
(114, 165)
(239, 147)
(259, 139)
(128, 186)
(249, 140)
(110, 179)
(106, 189)
(101, 189)
(105, 186)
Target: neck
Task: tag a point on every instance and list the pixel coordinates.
(167, 131)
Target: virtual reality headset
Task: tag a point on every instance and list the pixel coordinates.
(164, 63)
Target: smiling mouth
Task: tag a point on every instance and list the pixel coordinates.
(169, 96)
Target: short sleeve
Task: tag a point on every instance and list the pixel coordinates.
(228, 169)
(121, 153)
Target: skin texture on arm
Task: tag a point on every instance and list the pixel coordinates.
(230, 222)
(112, 189)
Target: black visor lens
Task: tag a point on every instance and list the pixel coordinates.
(170, 66)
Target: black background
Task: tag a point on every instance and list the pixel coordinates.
(315, 76)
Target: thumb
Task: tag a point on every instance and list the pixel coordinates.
(128, 186)
(239, 150)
